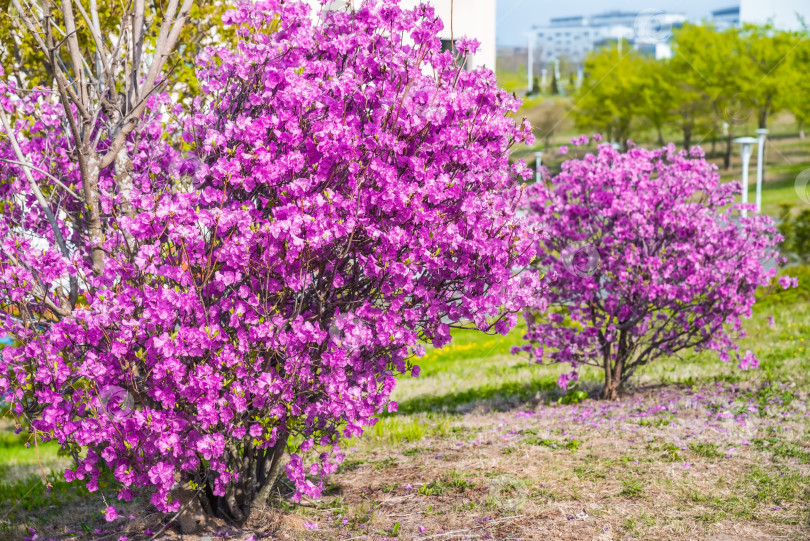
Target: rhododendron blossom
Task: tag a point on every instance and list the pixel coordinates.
(646, 255)
(348, 195)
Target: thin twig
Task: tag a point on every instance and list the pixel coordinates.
(57, 233)
(446, 533)
(53, 178)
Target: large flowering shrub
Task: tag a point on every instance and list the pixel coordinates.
(646, 255)
(350, 196)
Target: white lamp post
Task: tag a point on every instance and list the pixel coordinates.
(745, 151)
(531, 62)
(538, 161)
(761, 133)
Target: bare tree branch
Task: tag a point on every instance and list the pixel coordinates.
(57, 233)
(53, 178)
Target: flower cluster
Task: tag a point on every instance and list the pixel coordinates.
(646, 255)
(351, 196)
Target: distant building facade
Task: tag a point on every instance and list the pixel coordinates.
(784, 14)
(574, 37)
(726, 18)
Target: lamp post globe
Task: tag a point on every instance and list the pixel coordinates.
(746, 145)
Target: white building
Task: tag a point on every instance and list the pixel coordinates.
(726, 18)
(471, 18)
(574, 37)
(784, 14)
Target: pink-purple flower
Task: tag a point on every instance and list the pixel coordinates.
(646, 255)
(350, 196)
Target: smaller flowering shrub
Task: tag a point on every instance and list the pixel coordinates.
(645, 255)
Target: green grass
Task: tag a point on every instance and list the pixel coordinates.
(570, 445)
(632, 488)
(706, 450)
(403, 429)
(454, 481)
(783, 449)
(477, 372)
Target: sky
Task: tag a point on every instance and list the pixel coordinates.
(515, 17)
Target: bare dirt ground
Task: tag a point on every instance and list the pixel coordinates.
(723, 462)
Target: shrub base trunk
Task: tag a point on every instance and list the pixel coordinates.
(615, 377)
(259, 474)
(610, 391)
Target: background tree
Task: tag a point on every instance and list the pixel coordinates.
(706, 63)
(607, 102)
(108, 78)
(797, 85)
(765, 54)
(646, 256)
(794, 225)
(555, 84)
(546, 119)
(657, 95)
(23, 60)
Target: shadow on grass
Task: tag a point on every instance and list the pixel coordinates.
(500, 397)
(511, 395)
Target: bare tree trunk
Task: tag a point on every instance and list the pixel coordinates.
(763, 118)
(91, 198)
(273, 474)
(615, 377)
(660, 137)
(687, 137)
(123, 177)
(249, 495)
(613, 382)
(611, 389)
(727, 153)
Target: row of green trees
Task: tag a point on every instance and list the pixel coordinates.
(714, 83)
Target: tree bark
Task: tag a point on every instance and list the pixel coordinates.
(93, 218)
(727, 154)
(687, 138)
(613, 379)
(610, 391)
(254, 488)
(123, 177)
(614, 376)
(763, 118)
